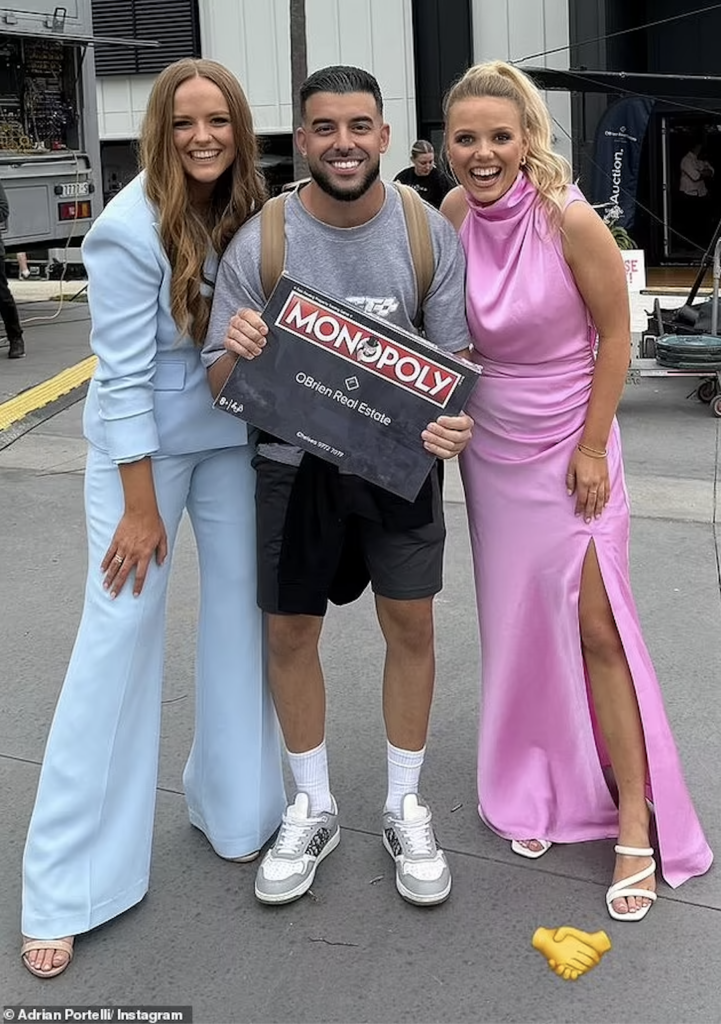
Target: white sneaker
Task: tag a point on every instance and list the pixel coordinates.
(288, 868)
(422, 872)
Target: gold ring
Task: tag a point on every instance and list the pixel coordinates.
(119, 559)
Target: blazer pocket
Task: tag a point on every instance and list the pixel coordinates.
(169, 375)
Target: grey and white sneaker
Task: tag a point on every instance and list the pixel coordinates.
(288, 868)
(422, 872)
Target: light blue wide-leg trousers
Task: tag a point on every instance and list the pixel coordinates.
(87, 857)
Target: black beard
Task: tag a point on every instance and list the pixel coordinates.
(345, 196)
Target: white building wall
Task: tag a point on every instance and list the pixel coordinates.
(524, 31)
(376, 35)
(252, 38)
(121, 105)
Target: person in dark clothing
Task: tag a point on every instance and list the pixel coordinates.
(429, 182)
(694, 197)
(8, 309)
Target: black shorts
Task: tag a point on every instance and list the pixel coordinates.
(402, 565)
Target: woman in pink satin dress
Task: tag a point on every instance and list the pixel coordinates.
(568, 685)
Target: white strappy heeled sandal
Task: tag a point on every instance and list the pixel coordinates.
(523, 851)
(625, 887)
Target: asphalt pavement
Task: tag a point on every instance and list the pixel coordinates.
(353, 951)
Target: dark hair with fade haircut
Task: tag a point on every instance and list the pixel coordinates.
(340, 78)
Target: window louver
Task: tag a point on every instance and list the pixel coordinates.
(172, 23)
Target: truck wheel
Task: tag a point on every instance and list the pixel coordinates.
(706, 391)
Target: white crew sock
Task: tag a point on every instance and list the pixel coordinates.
(404, 772)
(310, 773)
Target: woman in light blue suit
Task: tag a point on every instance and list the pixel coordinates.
(156, 448)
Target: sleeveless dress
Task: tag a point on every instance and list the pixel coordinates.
(541, 755)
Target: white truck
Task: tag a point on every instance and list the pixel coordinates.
(49, 150)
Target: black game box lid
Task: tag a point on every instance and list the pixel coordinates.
(347, 387)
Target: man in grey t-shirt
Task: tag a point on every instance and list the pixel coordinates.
(346, 235)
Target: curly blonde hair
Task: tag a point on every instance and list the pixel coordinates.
(186, 233)
(549, 172)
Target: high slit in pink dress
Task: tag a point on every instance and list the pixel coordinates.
(541, 758)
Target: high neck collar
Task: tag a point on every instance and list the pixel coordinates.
(515, 201)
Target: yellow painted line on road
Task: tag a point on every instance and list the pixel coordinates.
(50, 390)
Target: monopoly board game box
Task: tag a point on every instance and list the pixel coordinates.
(347, 387)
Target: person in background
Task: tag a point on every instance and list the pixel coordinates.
(429, 182)
(8, 308)
(157, 448)
(23, 268)
(568, 684)
(695, 174)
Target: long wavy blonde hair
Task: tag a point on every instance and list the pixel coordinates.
(187, 234)
(549, 172)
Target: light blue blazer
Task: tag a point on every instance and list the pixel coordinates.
(149, 394)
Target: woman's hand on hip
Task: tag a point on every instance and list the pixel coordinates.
(588, 479)
(140, 536)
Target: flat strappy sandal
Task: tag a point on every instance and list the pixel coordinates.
(59, 945)
(624, 888)
(523, 851)
(247, 858)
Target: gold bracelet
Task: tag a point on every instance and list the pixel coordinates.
(592, 453)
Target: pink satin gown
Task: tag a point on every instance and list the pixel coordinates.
(541, 757)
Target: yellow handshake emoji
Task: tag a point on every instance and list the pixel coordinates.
(569, 951)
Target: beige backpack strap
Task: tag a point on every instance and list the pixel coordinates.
(419, 237)
(272, 242)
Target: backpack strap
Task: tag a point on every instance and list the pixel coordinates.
(272, 242)
(421, 243)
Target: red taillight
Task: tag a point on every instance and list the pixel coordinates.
(75, 211)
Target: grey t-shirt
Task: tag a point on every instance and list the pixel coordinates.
(368, 266)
